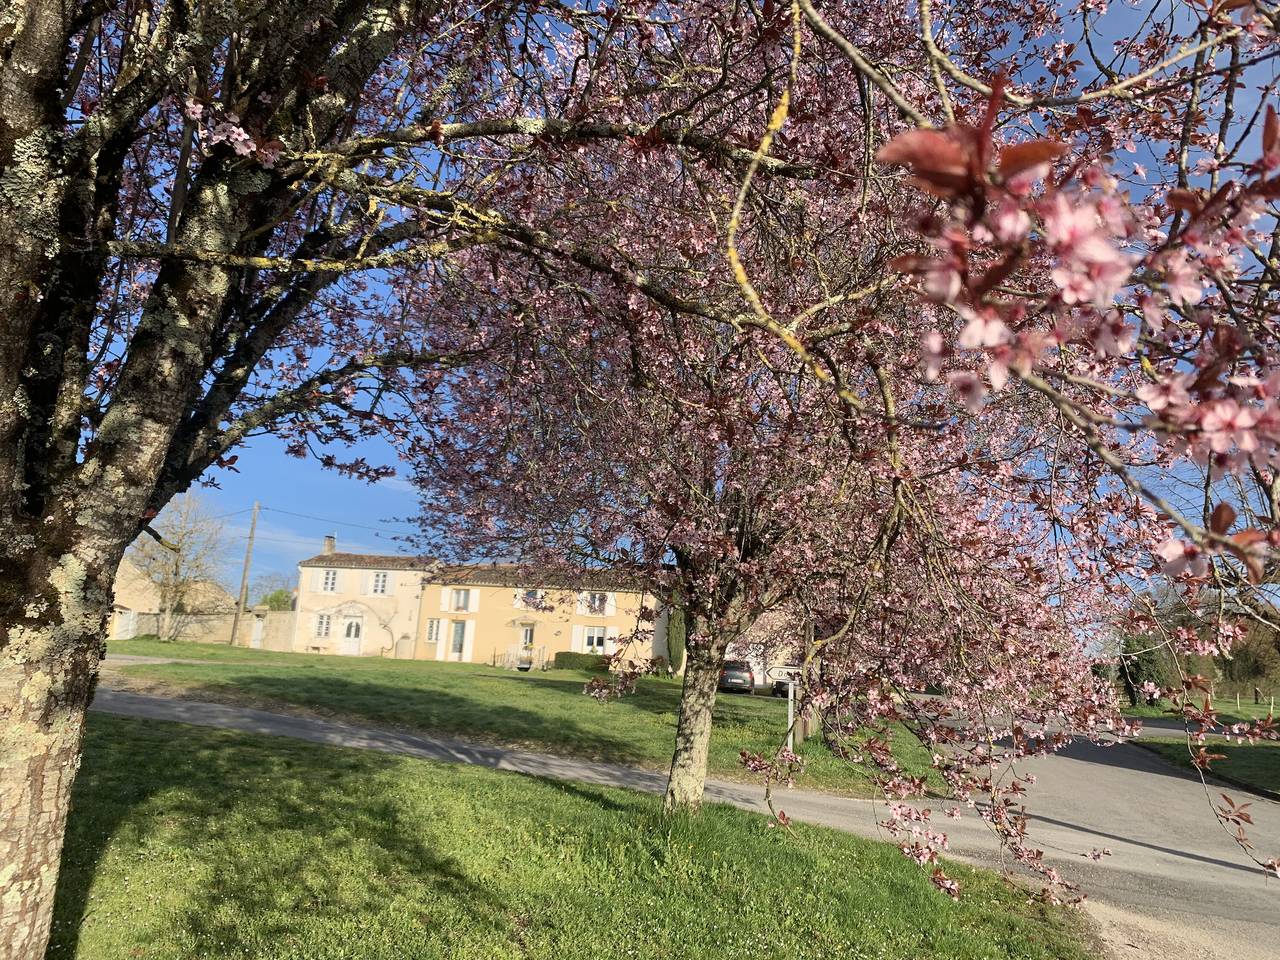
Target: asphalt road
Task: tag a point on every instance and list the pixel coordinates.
(1175, 885)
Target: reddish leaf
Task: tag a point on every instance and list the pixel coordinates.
(1223, 516)
(1247, 538)
(937, 159)
(1023, 156)
(1251, 560)
(1180, 199)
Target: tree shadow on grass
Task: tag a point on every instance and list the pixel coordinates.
(430, 712)
(141, 786)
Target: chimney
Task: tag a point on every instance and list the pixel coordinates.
(330, 545)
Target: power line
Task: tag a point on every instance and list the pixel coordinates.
(343, 523)
(233, 513)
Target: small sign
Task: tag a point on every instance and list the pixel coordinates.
(783, 674)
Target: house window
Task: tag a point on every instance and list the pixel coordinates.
(379, 584)
(526, 636)
(461, 601)
(323, 624)
(531, 598)
(329, 582)
(597, 604)
(459, 637)
(594, 638)
(353, 629)
(433, 631)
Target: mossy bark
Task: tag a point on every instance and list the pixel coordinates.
(49, 653)
(688, 776)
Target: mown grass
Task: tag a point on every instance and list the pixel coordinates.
(1228, 712)
(1255, 765)
(188, 843)
(544, 711)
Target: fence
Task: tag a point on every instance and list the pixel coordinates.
(518, 657)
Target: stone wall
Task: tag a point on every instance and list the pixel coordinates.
(260, 628)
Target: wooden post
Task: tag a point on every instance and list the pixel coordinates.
(243, 601)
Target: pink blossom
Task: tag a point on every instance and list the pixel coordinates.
(231, 133)
(984, 329)
(1180, 557)
(1010, 224)
(1181, 281)
(1073, 231)
(1226, 423)
(933, 353)
(1113, 337)
(1168, 393)
(969, 388)
(942, 280)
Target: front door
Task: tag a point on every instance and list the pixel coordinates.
(458, 640)
(351, 637)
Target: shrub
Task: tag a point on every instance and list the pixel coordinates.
(1143, 659)
(676, 636)
(592, 662)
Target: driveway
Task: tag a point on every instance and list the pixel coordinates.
(1175, 886)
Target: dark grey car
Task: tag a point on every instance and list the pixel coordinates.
(738, 675)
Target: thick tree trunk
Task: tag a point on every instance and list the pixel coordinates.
(50, 646)
(693, 728)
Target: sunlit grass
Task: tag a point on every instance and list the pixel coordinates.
(544, 711)
(187, 842)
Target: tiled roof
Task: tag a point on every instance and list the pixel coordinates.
(477, 574)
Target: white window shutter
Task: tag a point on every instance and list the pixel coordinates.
(315, 580)
(473, 601)
(468, 641)
(391, 583)
(576, 645)
(610, 638)
(516, 600)
(365, 584)
(582, 603)
(611, 604)
(444, 598)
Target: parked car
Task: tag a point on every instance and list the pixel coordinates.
(738, 675)
(779, 688)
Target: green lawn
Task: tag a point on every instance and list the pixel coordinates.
(189, 843)
(1256, 764)
(545, 711)
(1226, 707)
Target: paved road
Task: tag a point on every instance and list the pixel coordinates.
(1175, 886)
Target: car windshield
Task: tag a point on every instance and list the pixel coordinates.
(738, 665)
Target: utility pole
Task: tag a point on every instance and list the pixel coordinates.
(243, 602)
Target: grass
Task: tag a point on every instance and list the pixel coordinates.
(1226, 707)
(1256, 765)
(192, 843)
(544, 711)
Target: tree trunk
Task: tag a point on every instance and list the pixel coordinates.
(50, 644)
(693, 728)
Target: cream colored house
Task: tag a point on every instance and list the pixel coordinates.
(397, 606)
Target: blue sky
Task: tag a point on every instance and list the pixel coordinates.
(363, 516)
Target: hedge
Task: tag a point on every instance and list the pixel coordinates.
(592, 662)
